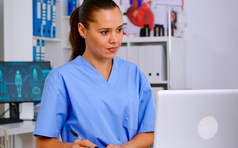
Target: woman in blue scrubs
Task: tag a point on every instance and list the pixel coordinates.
(107, 101)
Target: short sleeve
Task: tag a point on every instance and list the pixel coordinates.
(53, 108)
(146, 109)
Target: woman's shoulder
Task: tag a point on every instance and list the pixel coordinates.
(68, 67)
(130, 71)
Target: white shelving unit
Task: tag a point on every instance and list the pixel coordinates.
(174, 66)
(55, 47)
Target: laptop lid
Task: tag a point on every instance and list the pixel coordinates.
(196, 119)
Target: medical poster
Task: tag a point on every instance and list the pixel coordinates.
(137, 13)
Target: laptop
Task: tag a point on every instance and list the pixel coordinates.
(196, 119)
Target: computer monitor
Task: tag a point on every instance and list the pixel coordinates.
(21, 82)
(196, 119)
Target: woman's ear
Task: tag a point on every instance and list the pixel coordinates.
(82, 30)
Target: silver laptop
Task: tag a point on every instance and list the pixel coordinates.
(196, 119)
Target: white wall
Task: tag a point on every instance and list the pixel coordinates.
(18, 30)
(211, 44)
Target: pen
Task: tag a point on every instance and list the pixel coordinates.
(76, 135)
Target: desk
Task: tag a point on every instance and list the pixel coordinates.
(20, 134)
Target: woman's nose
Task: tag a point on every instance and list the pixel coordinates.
(113, 38)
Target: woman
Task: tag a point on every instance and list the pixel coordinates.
(104, 99)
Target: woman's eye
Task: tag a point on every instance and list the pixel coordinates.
(120, 29)
(104, 32)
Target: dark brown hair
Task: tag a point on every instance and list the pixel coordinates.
(85, 14)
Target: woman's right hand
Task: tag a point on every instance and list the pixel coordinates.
(78, 143)
(47, 142)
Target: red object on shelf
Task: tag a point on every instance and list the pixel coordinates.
(141, 15)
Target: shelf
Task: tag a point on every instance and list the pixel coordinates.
(47, 39)
(159, 82)
(148, 39)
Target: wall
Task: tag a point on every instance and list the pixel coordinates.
(211, 46)
(1, 31)
(18, 30)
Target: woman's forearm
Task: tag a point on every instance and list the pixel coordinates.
(141, 140)
(45, 142)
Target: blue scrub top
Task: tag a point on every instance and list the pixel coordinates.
(76, 96)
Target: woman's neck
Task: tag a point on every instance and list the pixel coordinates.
(103, 66)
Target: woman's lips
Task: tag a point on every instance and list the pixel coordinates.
(113, 49)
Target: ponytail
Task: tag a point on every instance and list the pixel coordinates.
(76, 41)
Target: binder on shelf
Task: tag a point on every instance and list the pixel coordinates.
(159, 64)
(53, 17)
(37, 20)
(48, 18)
(42, 51)
(150, 62)
(34, 49)
(71, 6)
(44, 13)
(142, 59)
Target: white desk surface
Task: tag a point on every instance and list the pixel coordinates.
(19, 128)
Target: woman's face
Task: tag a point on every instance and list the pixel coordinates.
(104, 37)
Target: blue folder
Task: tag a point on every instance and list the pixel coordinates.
(71, 6)
(34, 49)
(48, 18)
(53, 35)
(44, 12)
(37, 17)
